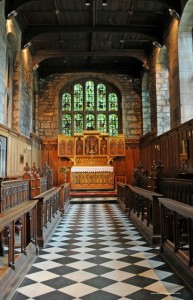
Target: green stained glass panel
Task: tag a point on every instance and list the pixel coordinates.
(113, 102)
(113, 125)
(78, 123)
(89, 96)
(102, 123)
(90, 122)
(66, 102)
(78, 97)
(66, 124)
(101, 97)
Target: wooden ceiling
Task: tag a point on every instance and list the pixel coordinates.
(70, 36)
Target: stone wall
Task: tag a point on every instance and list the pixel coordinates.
(146, 111)
(2, 61)
(162, 92)
(171, 43)
(20, 103)
(26, 102)
(50, 92)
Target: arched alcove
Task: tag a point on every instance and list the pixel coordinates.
(146, 109)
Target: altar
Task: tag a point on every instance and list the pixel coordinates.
(95, 177)
(91, 154)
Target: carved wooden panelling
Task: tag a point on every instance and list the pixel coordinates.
(91, 144)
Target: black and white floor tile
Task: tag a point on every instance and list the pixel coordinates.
(97, 254)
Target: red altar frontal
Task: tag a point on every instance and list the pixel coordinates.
(92, 155)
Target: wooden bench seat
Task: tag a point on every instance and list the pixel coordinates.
(17, 253)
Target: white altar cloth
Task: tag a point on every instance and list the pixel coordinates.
(93, 169)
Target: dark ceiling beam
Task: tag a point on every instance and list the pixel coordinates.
(41, 55)
(11, 5)
(38, 29)
(130, 71)
(17, 4)
(33, 31)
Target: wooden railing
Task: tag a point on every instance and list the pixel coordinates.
(64, 197)
(120, 179)
(122, 195)
(142, 207)
(18, 234)
(51, 205)
(48, 214)
(177, 237)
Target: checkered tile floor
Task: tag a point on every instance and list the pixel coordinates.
(97, 254)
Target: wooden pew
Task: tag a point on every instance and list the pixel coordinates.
(13, 192)
(176, 238)
(142, 207)
(177, 189)
(18, 249)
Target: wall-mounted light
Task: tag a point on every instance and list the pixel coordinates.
(174, 14)
(157, 147)
(87, 3)
(156, 44)
(12, 15)
(27, 149)
(145, 66)
(35, 67)
(27, 45)
(104, 3)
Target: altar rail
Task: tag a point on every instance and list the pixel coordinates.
(18, 232)
(51, 205)
(142, 207)
(177, 237)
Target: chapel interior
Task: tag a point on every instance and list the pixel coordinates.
(96, 102)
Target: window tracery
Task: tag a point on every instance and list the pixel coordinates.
(90, 105)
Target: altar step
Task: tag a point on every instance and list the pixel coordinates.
(79, 200)
(93, 193)
(93, 196)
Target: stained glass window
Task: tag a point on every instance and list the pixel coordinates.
(66, 124)
(101, 97)
(66, 102)
(78, 123)
(90, 105)
(113, 125)
(78, 97)
(102, 123)
(90, 122)
(90, 99)
(113, 102)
